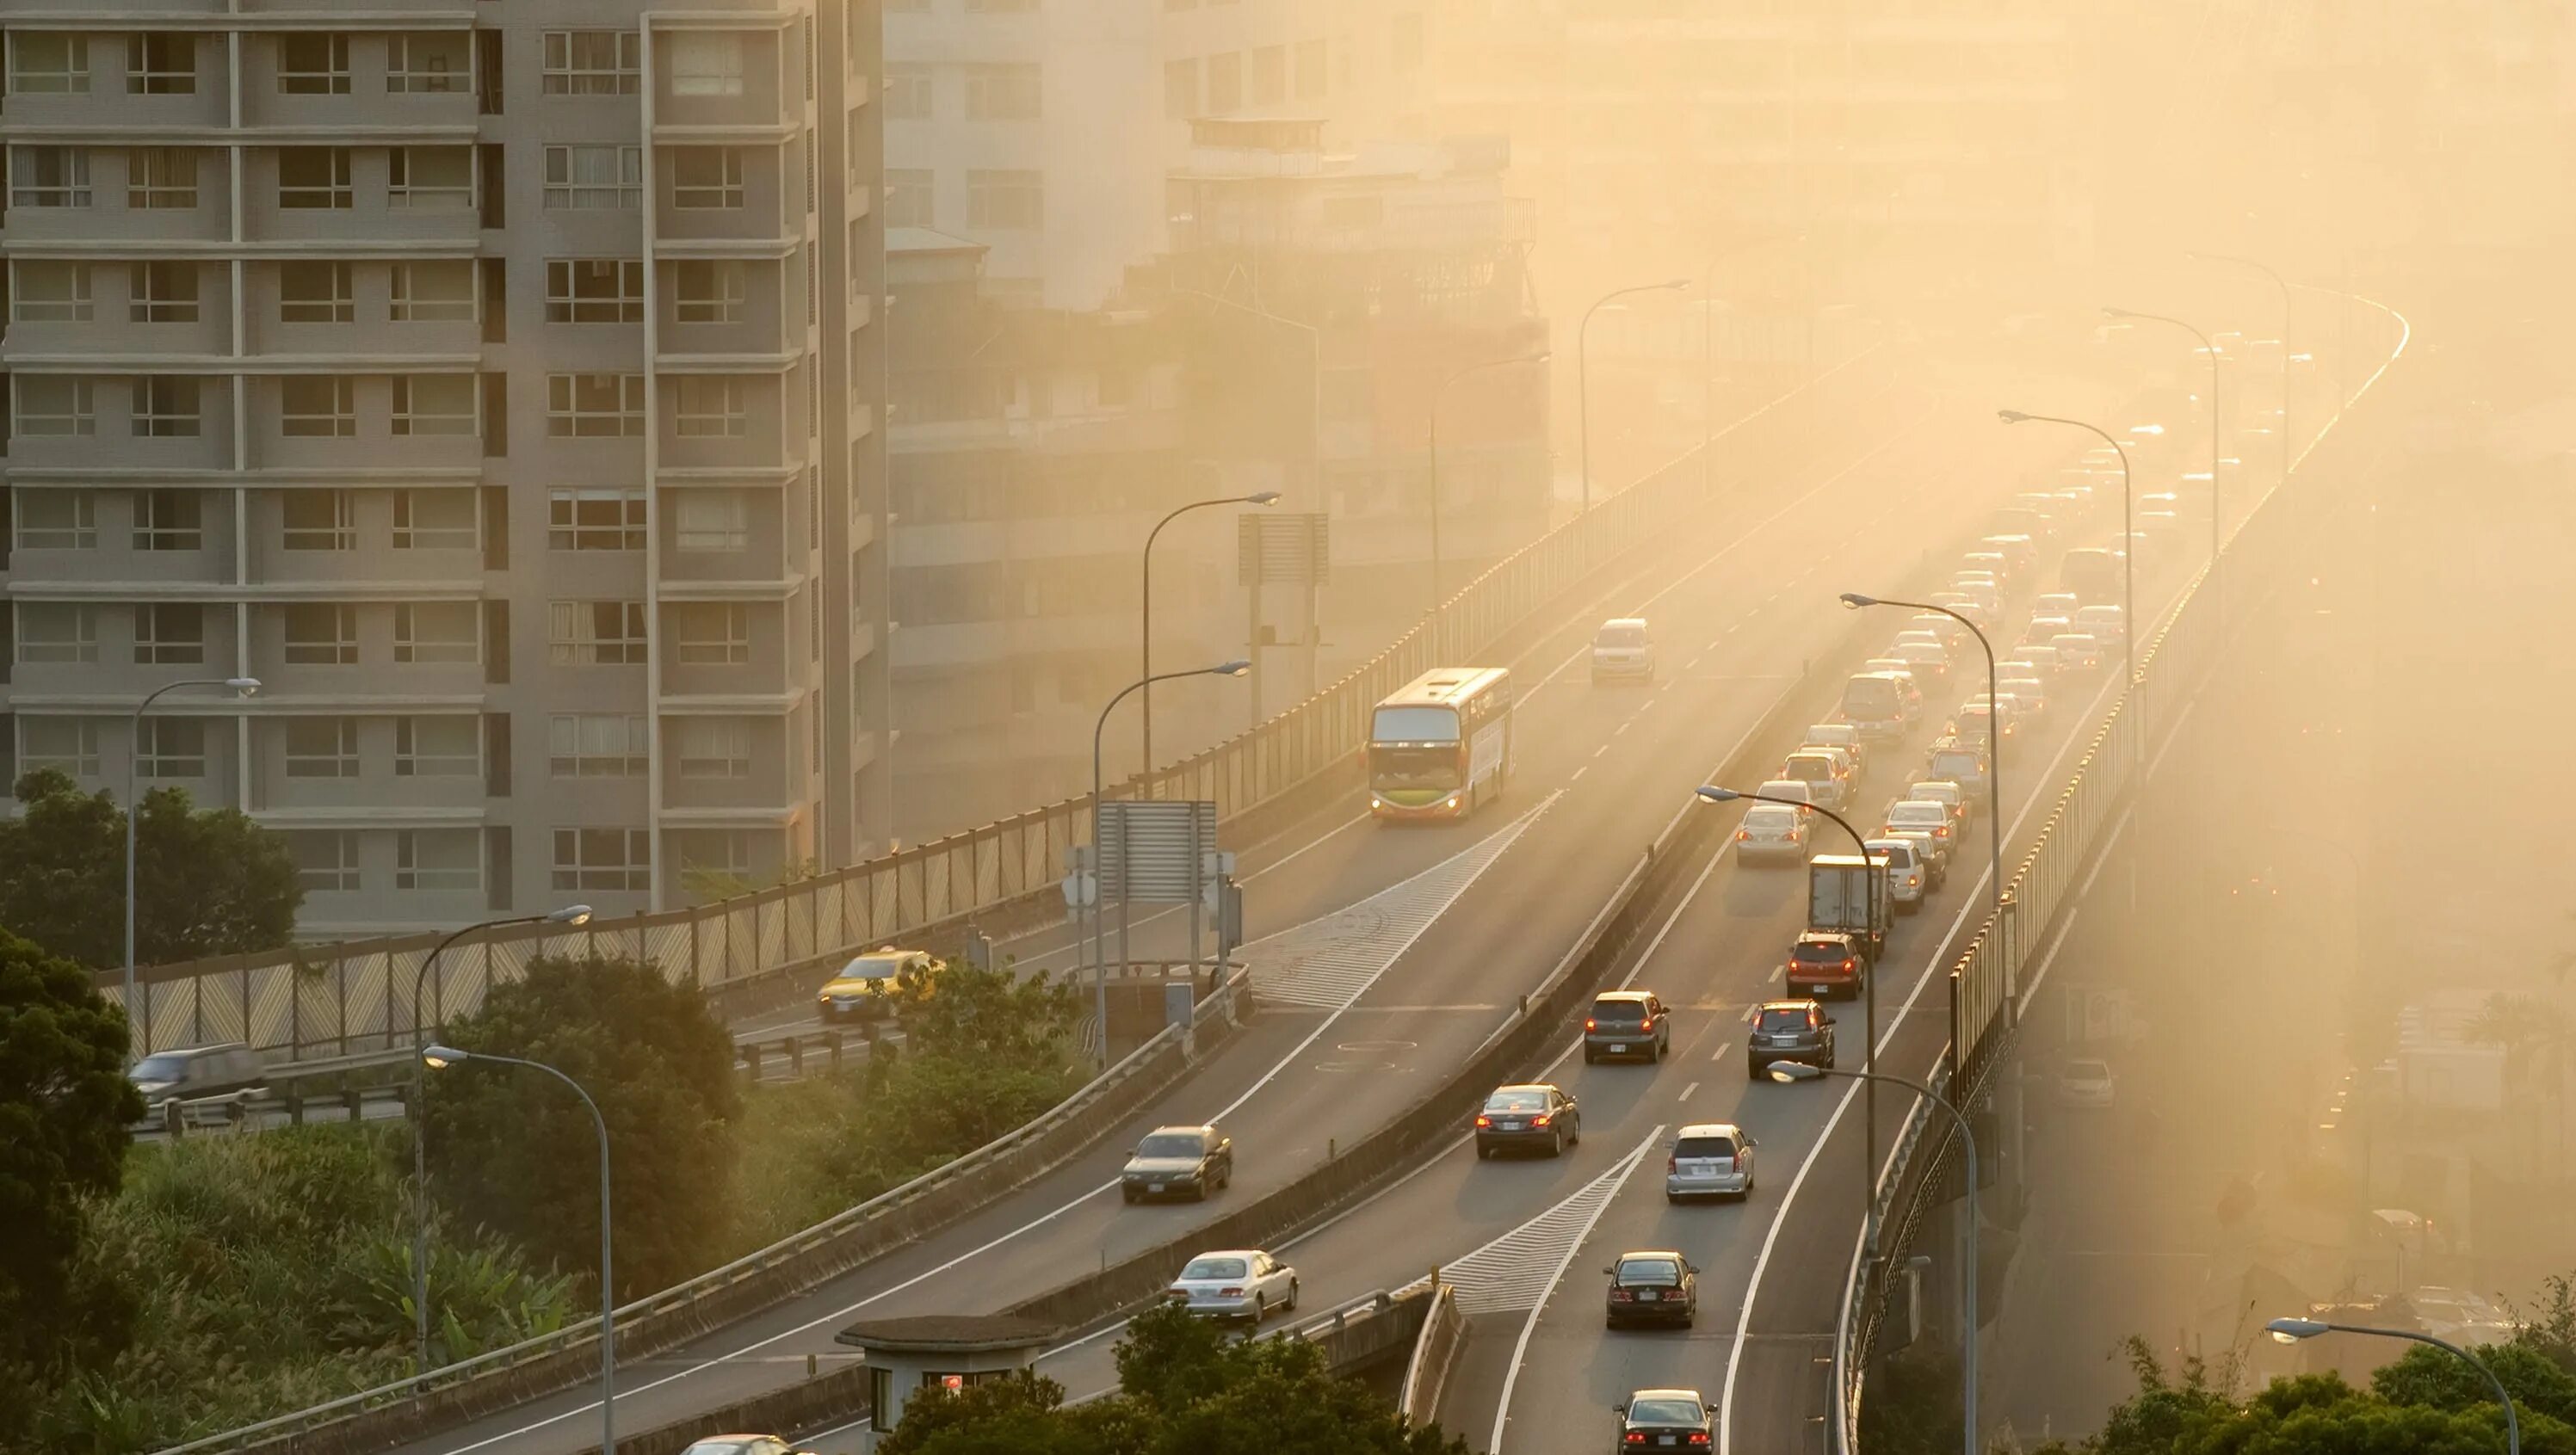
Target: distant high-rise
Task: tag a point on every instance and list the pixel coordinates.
(497, 381)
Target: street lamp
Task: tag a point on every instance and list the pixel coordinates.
(439, 1058)
(2128, 536)
(1583, 371)
(134, 751)
(570, 914)
(1099, 962)
(1145, 762)
(1869, 982)
(2283, 284)
(1802, 1071)
(2291, 1331)
(1433, 450)
(1994, 720)
(2210, 348)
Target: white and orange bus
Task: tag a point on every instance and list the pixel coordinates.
(1441, 746)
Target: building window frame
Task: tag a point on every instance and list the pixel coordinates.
(317, 406)
(598, 745)
(322, 68)
(602, 858)
(595, 520)
(417, 756)
(338, 649)
(320, 181)
(589, 633)
(319, 520)
(168, 406)
(595, 290)
(169, 634)
(567, 190)
(329, 747)
(418, 628)
(595, 406)
(592, 62)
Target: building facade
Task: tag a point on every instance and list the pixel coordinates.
(498, 383)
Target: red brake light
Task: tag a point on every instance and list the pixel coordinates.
(1636, 1437)
(1743, 834)
(1230, 1293)
(1590, 1024)
(1484, 1121)
(1540, 1120)
(1672, 1164)
(1699, 1437)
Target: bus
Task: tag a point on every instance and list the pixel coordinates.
(1441, 746)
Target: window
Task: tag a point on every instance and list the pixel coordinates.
(435, 520)
(66, 744)
(315, 293)
(161, 178)
(707, 406)
(57, 520)
(908, 197)
(593, 62)
(169, 520)
(595, 290)
(321, 520)
(1311, 81)
(712, 747)
(54, 632)
(438, 859)
(321, 747)
(426, 404)
(169, 634)
(48, 177)
(431, 63)
(170, 747)
(1002, 92)
(430, 177)
(314, 64)
(594, 520)
(56, 405)
(595, 633)
(712, 520)
(1181, 89)
(161, 63)
(1269, 75)
(704, 178)
(314, 177)
(1225, 83)
(317, 406)
(603, 859)
(326, 860)
(597, 745)
(49, 292)
(433, 292)
(719, 854)
(710, 290)
(438, 631)
(711, 633)
(167, 406)
(161, 292)
(321, 634)
(48, 63)
(907, 91)
(706, 63)
(1004, 198)
(594, 406)
(438, 747)
(586, 177)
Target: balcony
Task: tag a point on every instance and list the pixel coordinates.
(738, 763)
(736, 652)
(94, 663)
(117, 310)
(178, 88)
(113, 426)
(724, 308)
(345, 653)
(738, 420)
(716, 83)
(345, 195)
(89, 194)
(416, 309)
(420, 81)
(724, 535)
(424, 543)
(336, 422)
(298, 770)
(713, 196)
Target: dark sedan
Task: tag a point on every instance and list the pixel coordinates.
(1653, 1288)
(1537, 1116)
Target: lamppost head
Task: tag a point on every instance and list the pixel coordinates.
(1262, 497)
(2011, 416)
(1788, 1071)
(439, 1058)
(1856, 601)
(2291, 1331)
(243, 685)
(1235, 668)
(1674, 283)
(1713, 794)
(2110, 312)
(570, 914)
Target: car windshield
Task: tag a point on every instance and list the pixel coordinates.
(1649, 1270)
(1784, 1019)
(1918, 813)
(1820, 952)
(1870, 697)
(1516, 1101)
(1772, 818)
(1955, 762)
(1935, 792)
(1809, 767)
(1169, 1144)
(1216, 1268)
(1666, 1412)
(1415, 725)
(2088, 1070)
(726, 1445)
(1620, 636)
(1898, 853)
(1704, 1147)
(1618, 1010)
(160, 1068)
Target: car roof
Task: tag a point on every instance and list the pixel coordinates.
(1639, 996)
(1638, 622)
(1710, 1129)
(1523, 1086)
(1229, 1253)
(1803, 1003)
(1805, 935)
(1201, 1127)
(1689, 1394)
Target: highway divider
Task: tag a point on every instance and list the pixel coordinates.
(1435, 1353)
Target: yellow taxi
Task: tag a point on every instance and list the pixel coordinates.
(865, 988)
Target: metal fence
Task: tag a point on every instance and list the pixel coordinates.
(339, 999)
(1985, 983)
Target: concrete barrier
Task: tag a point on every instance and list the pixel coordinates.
(1435, 1353)
(836, 1398)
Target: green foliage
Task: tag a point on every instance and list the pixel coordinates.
(512, 1150)
(65, 1103)
(212, 881)
(1187, 1389)
(961, 1011)
(1911, 1405)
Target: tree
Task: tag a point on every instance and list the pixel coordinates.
(210, 881)
(515, 1152)
(959, 1010)
(65, 1104)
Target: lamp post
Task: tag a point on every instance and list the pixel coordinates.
(2283, 284)
(1868, 982)
(1583, 372)
(1801, 1071)
(1099, 962)
(439, 1058)
(2291, 1331)
(133, 752)
(2216, 530)
(1433, 451)
(2128, 536)
(570, 914)
(1145, 707)
(1994, 717)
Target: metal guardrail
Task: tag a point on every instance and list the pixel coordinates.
(1985, 982)
(338, 999)
(1426, 1375)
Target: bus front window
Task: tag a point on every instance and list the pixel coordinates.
(1414, 767)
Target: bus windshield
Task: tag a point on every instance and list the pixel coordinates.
(1432, 767)
(1415, 725)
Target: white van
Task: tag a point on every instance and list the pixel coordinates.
(1623, 648)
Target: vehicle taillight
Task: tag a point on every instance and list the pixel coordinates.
(1590, 1024)
(1230, 1293)
(1621, 1295)
(1742, 834)
(1849, 963)
(1635, 1437)
(1484, 1121)
(1699, 1437)
(1540, 1120)
(1672, 1164)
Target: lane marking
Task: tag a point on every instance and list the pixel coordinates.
(1578, 775)
(1529, 1326)
(1687, 1090)
(1720, 1053)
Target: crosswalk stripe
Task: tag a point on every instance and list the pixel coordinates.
(1516, 1270)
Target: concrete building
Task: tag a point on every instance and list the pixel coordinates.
(496, 381)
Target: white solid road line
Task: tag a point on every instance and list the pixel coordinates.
(1686, 1092)
(1529, 1326)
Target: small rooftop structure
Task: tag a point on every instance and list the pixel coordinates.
(939, 1351)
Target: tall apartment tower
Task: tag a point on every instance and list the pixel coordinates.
(498, 382)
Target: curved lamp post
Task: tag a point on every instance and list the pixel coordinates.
(2291, 1331)
(1432, 438)
(2210, 348)
(2128, 535)
(439, 1058)
(1583, 371)
(1994, 717)
(1145, 666)
(570, 914)
(2282, 284)
(134, 751)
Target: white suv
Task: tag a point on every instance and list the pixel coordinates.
(1623, 648)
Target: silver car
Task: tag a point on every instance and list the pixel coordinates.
(1908, 875)
(1709, 1159)
(1235, 1283)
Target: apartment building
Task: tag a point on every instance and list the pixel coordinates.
(498, 383)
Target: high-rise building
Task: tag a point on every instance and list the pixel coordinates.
(499, 383)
